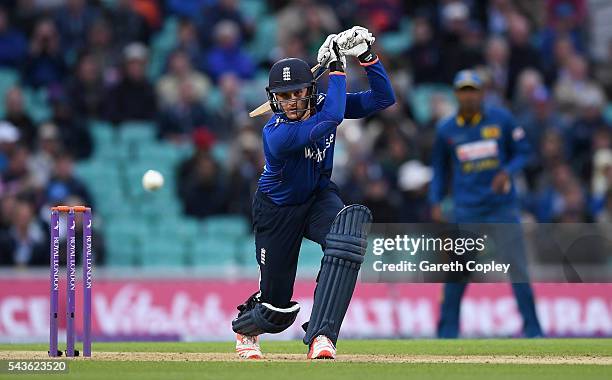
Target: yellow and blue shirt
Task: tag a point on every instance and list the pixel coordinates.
(472, 152)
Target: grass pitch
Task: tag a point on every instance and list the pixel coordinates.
(540, 359)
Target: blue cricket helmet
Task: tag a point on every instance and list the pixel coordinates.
(287, 75)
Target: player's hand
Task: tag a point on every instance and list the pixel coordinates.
(436, 214)
(355, 41)
(501, 183)
(329, 52)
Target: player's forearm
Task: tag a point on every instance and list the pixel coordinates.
(332, 112)
(382, 95)
(436, 189)
(521, 152)
(439, 163)
(516, 164)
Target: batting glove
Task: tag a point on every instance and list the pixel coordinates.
(329, 53)
(357, 42)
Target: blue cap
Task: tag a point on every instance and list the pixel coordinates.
(467, 78)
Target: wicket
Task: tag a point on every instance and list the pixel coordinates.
(87, 261)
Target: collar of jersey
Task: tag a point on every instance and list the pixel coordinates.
(283, 119)
(474, 121)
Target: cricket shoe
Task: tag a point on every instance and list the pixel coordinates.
(322, 348)
(247, 347)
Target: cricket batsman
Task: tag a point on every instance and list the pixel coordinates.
(480, 149)
(296, 197)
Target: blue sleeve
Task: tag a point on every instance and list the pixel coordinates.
(440, 162)
(517, 146)
(289, 137)
(378, 97)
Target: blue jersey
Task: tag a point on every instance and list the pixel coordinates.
(300, 154)
(472, 153)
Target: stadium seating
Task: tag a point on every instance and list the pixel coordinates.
(310, 255)
(213, 251)
(149, 228)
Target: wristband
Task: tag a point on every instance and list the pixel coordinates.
(336, 66)
(367, 57)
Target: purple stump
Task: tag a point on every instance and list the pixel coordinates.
(70, 282)
(54, 284)
(87, 282)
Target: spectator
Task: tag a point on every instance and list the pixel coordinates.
(232, 112)
(497, 55)
(602, 173)
(380, 15)
(86, 89)
(424, 54)
(528, 82)
(572, 84)
(222, 10)
(184, 8)
(315, 30)
(44, 65)
(293, 47)
(455, 24)
(103, 50)
(63, 183)
(471, 47)
(246, 163)
(17, 178)
(294, 18)
(13, 44)
(25, 243)
(353, 190)
(605, 216)
(73, 20)
(603, 71)
(522, 54)
(227, 56)
(550, 202)
(180, 70)
(7, 204)
(128, 25)
(552, 149)
(572, 11)
(201, 186)
(24, 14)
(499, 14)
(537, 120)
(9, 137)
(150, 11)
(553, 66)
(378, 198)
(413, 181)
(73, 131)
(133, 98)
(188, 40)
(392, 149)
(580, 135)
(179, 120)
(17, 116)
(573, 206)
(565, 18)
(41, 162)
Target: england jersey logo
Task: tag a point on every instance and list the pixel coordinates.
(286, 73)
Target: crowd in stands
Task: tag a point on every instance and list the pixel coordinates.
(549, 61)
